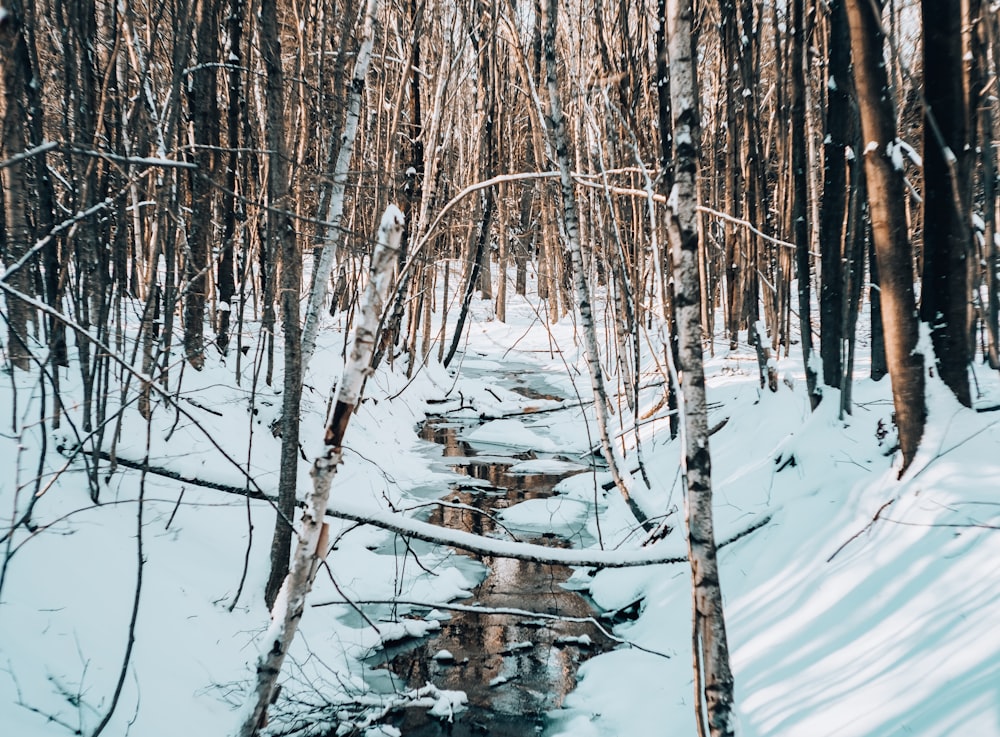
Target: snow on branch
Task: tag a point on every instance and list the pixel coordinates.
(664, 552)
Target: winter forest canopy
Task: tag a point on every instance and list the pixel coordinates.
(724, 273)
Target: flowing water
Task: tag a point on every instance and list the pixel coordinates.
(513, 669)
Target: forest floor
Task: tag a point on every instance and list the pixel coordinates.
(866, 605)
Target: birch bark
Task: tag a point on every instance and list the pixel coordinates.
(713, 677)
(571, 220)
(310, 549)
(324, 264)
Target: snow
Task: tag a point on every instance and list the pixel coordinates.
(553, 513)
(406, 629)
(866, 605)
(550, 466)
(516, 647)
(910, 152)
(511, 434)
(581, 640)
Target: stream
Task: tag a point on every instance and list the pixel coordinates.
(513, 669)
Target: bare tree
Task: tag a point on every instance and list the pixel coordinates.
(338, 190)
(282, 243)
(312, 539)
(800, 197)
(892, 243)
(945, 298)
(203, 100)
(712, 673)
(581, 289)
(17, 76)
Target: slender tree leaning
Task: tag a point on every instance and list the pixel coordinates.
(312, 538)
(328, 252)
(571, 223)
(712, 675)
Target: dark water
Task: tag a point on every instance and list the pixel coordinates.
(513, 669)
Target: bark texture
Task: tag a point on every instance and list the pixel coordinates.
(311, 547)
(328, 252)
(945, 297)
(581, 290)
(713, 676)
(283, 244)
(892, 244)
(16, 72)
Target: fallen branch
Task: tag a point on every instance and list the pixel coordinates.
(185, 478)
(467, 541)
(718, 426)
(523, 551)
(862, 531)
(472, 543)
(746, 531)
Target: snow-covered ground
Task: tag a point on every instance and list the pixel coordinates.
(865, 606)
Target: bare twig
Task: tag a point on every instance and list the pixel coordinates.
(862, 531)
(140, 562)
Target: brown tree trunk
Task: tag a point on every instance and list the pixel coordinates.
(800, 197)
(945, 298)
(281, 233)
(892, 245)
(16, 70)
(225, 279)
(203, 101)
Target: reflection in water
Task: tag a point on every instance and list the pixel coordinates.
(513, 669)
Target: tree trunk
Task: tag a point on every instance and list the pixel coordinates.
(581, 290)
(225, 279)
(311, 548)
(944, 296)
(203, 101)
(16, 71)
(888, 218)
(479, 255)
(982, 105)
(714, 694)
(800, 197)
(834, 204)
(281, 233)
(324, 264)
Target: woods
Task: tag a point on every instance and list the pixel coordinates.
(141, 199)
(196, 185)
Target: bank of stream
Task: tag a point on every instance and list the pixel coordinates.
(513, 669)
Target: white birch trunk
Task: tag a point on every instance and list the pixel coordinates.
(328, 252)
(310, 549)
(616, 463)
(713, 677)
